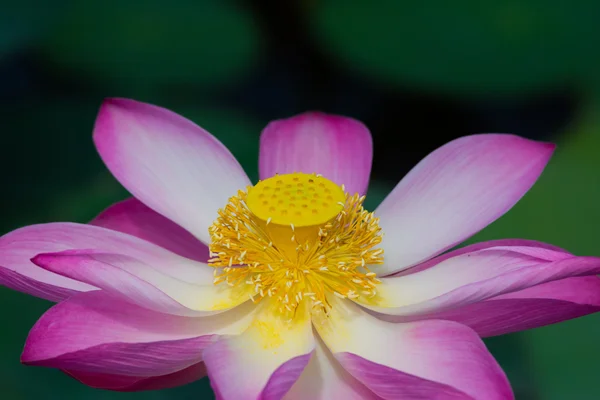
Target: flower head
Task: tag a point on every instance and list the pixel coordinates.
(290, 288)
(296, 239)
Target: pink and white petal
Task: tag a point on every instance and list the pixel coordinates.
(18, 247)
(97, 332)
(122, 383)
(530, 308)
(57, 291)
(535, 248)
(141, 283)
(166, 161)
(416, 360)
(135, 218)
(266, 360)
(474, 277)
(324, 378)
(454, 192)
(339, 148)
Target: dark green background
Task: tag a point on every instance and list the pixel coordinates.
(417, 73)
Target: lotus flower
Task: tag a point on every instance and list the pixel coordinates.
(290, 288)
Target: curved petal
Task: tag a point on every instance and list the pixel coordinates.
(537, 247)
(140, 283)
(122, 383)
(169, 163)
(530, 308)
(58, 290)
(135, 218)
(420, 360)
(18, 247)
(265, 360)
(339, 148)
(454, 192)
(98, 333)
(536, 306)
(324, 378)
(477, 276)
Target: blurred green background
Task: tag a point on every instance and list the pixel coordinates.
(417, 73)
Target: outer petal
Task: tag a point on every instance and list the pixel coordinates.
(456, 191)
(540, 305)
(98, 333)
(418, 360)
(536, 246)
(536, 306)
(265, 360)
(140, 283)
(477, 276)
(339, 148)
(324, 379)
(19, 246)
(169, 163)
(135, 218)
(122, 383)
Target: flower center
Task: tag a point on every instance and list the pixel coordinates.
(296, 239)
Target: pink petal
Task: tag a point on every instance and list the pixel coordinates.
(122, 383)
(96, 332)
(56, 291)
(167, 162)
(339, 148)
(454, 192)
(536, 306)
(416, 360)
(324, 378)
(19, 246)
(500, 243)
(141, 283)
(476, 276)
(133, 217)
(266, 360)
(284, 377)
(390, 383)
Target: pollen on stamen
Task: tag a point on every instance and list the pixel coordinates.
(300, 257)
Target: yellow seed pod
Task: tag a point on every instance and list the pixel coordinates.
(296, 199)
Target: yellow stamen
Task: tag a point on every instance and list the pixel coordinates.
(296, 239)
